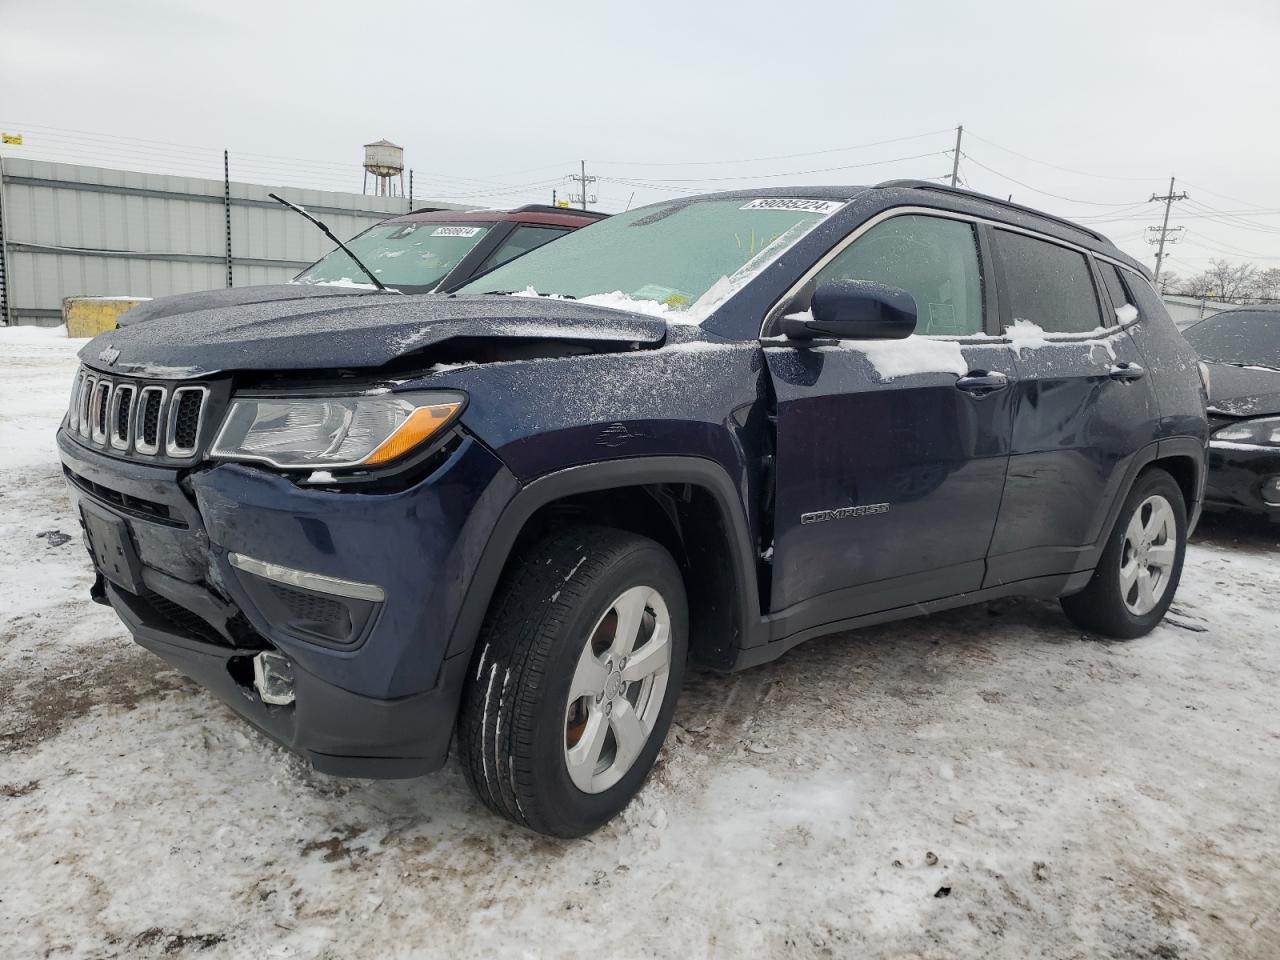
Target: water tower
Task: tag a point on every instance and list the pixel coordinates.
(385, 160)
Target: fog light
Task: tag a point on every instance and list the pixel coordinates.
(1271, 490)
(273, 678)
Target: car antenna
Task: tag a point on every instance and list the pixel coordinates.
(329, 233)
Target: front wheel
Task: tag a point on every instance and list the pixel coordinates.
(579, 666)
(1138, 573)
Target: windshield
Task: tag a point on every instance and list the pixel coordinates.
(413, 257)
(1238, 336)
(667, 255)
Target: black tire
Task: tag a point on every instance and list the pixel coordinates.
(512, 724)
(1100, 607)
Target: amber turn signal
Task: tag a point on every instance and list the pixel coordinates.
(423, 424)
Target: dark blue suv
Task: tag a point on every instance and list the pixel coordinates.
(708, 428)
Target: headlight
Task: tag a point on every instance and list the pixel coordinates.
(325, 433)
(1265, 432)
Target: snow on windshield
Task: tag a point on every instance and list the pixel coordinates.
(679, 260)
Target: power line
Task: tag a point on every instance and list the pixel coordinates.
(1045, 163)
(780, 156)
(1056, 196)
(796, 173)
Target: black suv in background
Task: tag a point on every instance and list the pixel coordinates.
(1242, 350)
(711, 428)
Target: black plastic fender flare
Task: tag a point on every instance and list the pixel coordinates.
(591, 478)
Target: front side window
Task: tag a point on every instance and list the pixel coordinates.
(932, 258)
(520, 241)
(1047, 284)
(668, 254)
(1238, 336)
(413, 257)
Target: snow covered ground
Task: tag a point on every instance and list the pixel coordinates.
(984, 783)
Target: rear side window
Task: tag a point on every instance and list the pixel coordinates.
(521, 240)
(932, 258)
(1046, 284)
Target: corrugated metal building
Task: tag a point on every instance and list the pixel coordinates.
(71, 230)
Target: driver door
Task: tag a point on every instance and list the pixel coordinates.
(890, 463)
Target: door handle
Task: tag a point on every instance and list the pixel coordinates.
(979, 383)
(1126, 372)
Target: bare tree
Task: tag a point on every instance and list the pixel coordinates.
(1170, 282)
(1268, 283)
(1225, 281)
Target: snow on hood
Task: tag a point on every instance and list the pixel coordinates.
(184, 303)
(362, 332)
(1243, 391)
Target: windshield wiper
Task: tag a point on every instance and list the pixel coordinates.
(329, 233)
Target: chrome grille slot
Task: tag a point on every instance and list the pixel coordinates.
(150, 407)
(98, 410)
(122, 415)
(86, 398)
(73, 409)
(186, 413)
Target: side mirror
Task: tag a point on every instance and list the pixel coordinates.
(855, 310)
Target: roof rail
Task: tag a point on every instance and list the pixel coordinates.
(987, 198)
(547, 208)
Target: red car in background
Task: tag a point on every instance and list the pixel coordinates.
(433, 250)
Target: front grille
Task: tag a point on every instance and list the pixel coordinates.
(138, 418)
(181, 620)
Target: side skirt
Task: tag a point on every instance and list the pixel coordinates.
(1047, 588)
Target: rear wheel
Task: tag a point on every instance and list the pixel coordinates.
(579, 667)
(1138, 573)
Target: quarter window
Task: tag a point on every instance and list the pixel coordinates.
(1115, 286)
(1047, 284)
(932, 258)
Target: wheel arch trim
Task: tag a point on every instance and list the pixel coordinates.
(594, 478)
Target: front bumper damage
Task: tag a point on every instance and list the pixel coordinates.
(1244, 477)
(208, 568)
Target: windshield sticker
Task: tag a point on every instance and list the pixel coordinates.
(455, 231)
(794, 204)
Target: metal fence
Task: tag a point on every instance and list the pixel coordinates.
(70, 230)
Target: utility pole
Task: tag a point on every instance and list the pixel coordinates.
(955, 161)
(226, 206)
(1163, 235)
(584, 182)
(6, 282)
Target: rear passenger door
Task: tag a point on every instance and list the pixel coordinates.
(1084, 406)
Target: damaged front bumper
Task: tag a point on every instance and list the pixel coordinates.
(208, 568)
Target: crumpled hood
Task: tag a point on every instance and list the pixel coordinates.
(1243, 391)
(361, 332)
(232, 297)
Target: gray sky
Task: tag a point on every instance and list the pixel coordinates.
(495, 103)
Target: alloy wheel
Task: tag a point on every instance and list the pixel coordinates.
(1148, 553)
(617, 689)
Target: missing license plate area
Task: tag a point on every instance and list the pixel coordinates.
(112, 550)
